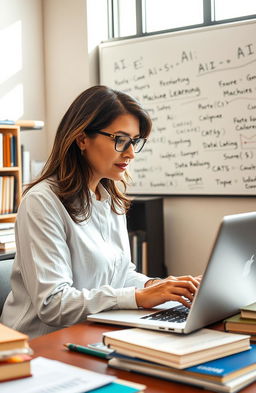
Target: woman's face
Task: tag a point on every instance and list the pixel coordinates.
(100, 151)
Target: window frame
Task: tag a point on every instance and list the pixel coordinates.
(208, 11)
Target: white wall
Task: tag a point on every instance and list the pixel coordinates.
(22, 68)
(66, 57)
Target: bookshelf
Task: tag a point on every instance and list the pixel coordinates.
(10, 169)
(146, 233)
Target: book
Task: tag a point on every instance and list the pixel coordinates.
(228, 374)
(7, 246)
(7, 232)
(7, 122)
(30, 124)
(24, 124)
(176, 350)
(7, 149)
(249, 311)
(121, 386)
(219, 370)
(7, 238)
(15, 367)
(11, 339)
(241, 325)
(14, 150)
(1, 150)
(55, 376)
(6, 225)
(17, 351)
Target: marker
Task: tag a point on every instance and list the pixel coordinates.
(87, 351)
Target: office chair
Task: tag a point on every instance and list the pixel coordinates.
(5, 285)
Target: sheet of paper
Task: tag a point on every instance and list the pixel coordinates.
(52, 376)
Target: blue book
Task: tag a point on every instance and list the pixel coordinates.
(228, 366)
(220, 370)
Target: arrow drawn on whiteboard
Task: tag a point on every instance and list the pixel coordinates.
(241, 98)
(248, 142)
(227, 68)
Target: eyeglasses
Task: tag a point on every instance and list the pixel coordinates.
(123, 142)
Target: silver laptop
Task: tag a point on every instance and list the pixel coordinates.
(229, 282)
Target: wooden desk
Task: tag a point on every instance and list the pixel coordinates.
(51, 346)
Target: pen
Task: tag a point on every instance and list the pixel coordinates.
(87, 351)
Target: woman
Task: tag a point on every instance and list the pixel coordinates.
(73, 254)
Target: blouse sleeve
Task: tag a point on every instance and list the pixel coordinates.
(46, 267)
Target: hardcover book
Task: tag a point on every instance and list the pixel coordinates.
(11, 339)
(15, 367)
(241, 325)
(249, 311)
(228, 374)
(175, 350)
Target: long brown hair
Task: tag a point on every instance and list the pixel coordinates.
(67, 170)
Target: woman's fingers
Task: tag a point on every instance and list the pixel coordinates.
(179, 290)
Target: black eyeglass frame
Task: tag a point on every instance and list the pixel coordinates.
(127, 145)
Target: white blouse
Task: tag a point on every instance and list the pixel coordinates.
(63, 270)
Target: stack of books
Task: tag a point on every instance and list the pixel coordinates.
(7, 236)
(244, 322)
(53, 376)
(14, 354)
(215, 360)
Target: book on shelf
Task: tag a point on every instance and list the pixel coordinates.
(7, 149)
(17, 366)
(7, 238)
(174, 350)
(1, 150)
(13, 155)
(4, 232)
(7, 246)
(6, 225)
(249, 311)
(242, 325)
(24, 124)
(7, 194)
(227, 374)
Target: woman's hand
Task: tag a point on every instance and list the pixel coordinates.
(181, 289)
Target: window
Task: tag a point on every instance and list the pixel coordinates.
(226, 9)
(141, 17)
(166, 14)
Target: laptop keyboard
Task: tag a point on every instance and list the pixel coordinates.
(175, 314)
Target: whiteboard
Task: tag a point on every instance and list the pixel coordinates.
(199, 86)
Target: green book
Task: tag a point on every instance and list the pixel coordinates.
(242, 325)
(249, 311)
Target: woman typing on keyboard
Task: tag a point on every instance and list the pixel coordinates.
(73, 255)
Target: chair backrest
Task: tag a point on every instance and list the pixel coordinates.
(5, 284)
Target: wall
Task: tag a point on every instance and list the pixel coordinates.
(22, 68)
(191, 224)
(66, 57)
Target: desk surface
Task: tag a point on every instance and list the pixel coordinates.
(51, 346)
